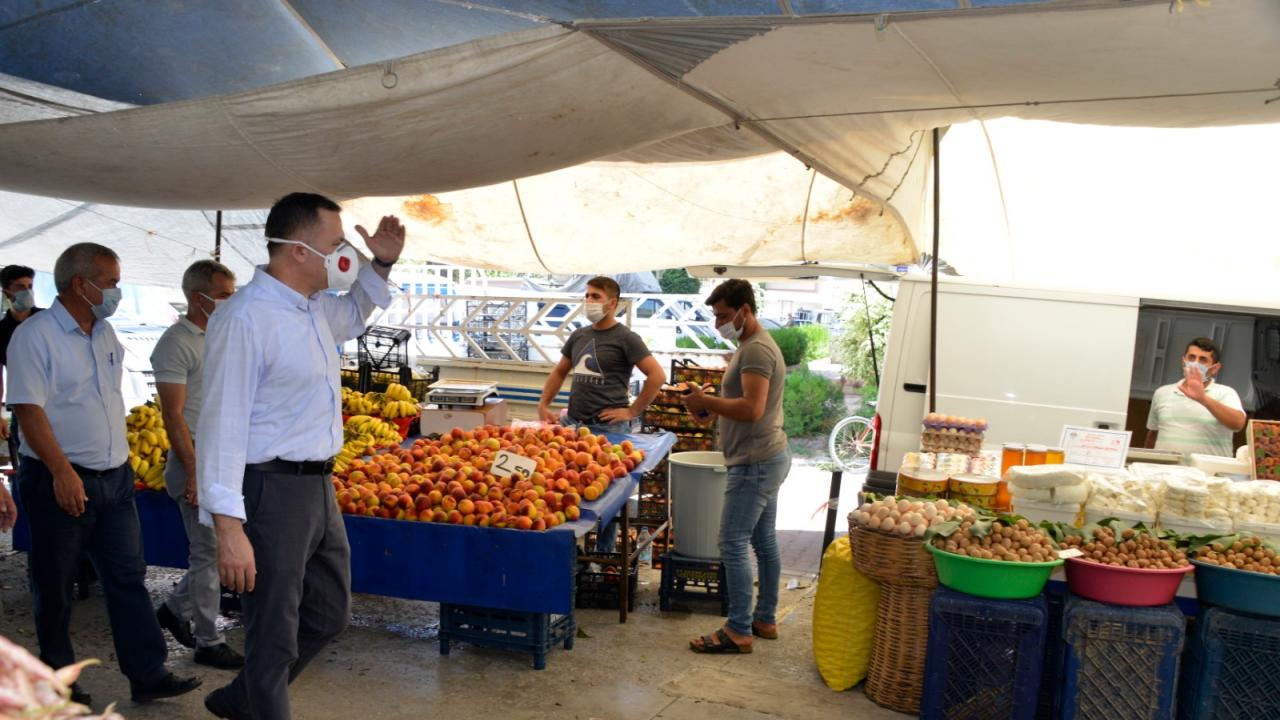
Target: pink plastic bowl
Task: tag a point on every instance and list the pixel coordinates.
(1138, 587)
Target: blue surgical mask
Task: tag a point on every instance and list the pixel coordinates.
(1202, 368)
(22, 301)
(110, 301)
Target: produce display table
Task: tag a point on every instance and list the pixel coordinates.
(465, 565)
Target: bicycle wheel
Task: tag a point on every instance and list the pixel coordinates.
(851, 442)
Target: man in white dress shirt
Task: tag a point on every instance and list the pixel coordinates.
(269, 429)
(74, 481)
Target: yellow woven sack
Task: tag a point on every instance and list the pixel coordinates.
(844, 618)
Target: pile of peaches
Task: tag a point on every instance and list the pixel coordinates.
(450, 479)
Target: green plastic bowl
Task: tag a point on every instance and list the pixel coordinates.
(995, 579)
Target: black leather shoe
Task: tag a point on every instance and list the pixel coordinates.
(78, 695)
(220, 656)
(180, 629)
(169, 686)
(219, 703)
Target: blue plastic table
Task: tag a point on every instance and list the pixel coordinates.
(436, 562)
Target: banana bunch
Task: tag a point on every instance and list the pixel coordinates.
(379, 432)
(358, 446)
(398, 402)
(148, 444)
(358, 403)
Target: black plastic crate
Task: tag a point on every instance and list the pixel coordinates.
(383, 348)
(601, 590)
(529, 632)
(984, 658)
(378, 381)
(689, 579)
(652, 509)
(1233, 668)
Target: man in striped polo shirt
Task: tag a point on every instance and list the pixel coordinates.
(1196, 415)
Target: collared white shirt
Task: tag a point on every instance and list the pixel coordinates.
(76, 379)
(271, 386)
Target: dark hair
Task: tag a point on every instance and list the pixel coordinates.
(735, 293)
(11, 273)
(1206, 345)
(607, 284)
(292, 213)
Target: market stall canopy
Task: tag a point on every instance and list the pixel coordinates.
(850, 95)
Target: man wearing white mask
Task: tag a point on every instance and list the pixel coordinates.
(269, 429)
(75, 484)
(601, 357)
(1199, 414)
(178, 362)
(749, 424)
(17, 283)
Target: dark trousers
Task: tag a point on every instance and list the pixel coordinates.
(302, 594)
(109, 532)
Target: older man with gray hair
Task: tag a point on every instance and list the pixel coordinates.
(75, 483)
(178, 362)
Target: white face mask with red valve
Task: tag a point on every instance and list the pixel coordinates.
(340, 266)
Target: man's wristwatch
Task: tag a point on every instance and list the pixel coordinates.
(382, 263)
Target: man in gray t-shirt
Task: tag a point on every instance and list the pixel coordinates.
(758, 459)
(601, 357)
(178, 363)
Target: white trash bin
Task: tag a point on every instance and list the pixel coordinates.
(698, 480)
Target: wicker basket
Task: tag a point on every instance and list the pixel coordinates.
(895, 678)
(892, 558)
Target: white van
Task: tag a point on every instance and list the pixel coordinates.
(1031, 361)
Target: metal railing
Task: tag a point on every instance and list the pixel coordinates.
(533, 327)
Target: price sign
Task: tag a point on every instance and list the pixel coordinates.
(505, 463)
(1096, 448)
(1070, 553)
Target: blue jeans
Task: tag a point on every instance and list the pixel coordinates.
(607, 538)
(750, 516)
(109, 531)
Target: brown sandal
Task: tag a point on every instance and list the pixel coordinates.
(719, 643)
(759, 631)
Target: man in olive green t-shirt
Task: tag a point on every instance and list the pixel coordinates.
(749, 414)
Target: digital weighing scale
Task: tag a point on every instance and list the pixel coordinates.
(460, 393)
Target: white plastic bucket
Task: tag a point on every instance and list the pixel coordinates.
(698, 481)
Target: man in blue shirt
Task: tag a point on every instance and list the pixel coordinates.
(74, 481)
(269, 428)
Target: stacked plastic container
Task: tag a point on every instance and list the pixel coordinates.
(1121, 662)
(1233, 668)
(1049, 705)
(985, 657)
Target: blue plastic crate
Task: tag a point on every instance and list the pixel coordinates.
(1049, 705)
(518, 630)
(1233, 668)
(984, 659)
(1121, 662)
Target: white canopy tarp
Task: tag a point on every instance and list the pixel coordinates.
(851, 96)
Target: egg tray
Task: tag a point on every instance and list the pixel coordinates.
(947, 443)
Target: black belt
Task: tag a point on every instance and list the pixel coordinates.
(90, 472)
(293, 467)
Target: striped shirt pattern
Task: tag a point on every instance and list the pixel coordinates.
(1187, 426)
